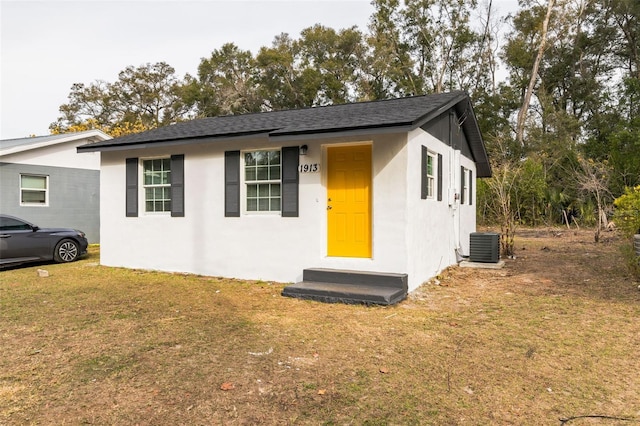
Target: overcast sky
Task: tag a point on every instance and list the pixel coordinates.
(46, 46)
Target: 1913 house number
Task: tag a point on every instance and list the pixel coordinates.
(309, 168)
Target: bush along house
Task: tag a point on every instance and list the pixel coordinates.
(359, 202)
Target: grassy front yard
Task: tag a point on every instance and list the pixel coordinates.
(554, 335)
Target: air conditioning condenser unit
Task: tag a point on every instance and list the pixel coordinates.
(484, 247)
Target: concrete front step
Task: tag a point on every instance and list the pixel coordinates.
(331, 285)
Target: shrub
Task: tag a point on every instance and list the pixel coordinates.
(627, 220)
(627, 211)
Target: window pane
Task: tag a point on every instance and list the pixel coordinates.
(252, 191)
(429, 165)
(274, 157)
(274, 172)
(262, 158)
(275, 189)
(263, 204)
(33, 182)
(36, 197)
(249, 159)
(263, 173)
(275, 204)
(263, 191)
(252, 205)
(250, 173)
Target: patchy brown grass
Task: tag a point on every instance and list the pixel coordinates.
(553, 335)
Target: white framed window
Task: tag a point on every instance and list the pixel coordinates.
(262, 181)
(34, 190)
(156, 183)
(431, 173)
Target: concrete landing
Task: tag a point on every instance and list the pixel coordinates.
(481, 265)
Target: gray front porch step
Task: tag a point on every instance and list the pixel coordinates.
(332, 285)
(344, 276)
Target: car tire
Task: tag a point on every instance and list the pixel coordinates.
(66, 251)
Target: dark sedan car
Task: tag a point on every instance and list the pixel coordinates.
(22, 242)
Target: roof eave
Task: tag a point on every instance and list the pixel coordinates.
(471, 129)
(170, 142)
(421, 121)
(70, 137)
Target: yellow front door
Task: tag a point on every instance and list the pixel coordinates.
(349, 201)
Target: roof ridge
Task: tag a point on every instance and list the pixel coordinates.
(307, 108)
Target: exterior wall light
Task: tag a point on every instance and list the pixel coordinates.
(303, 150)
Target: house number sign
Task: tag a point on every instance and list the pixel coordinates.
(309, 168)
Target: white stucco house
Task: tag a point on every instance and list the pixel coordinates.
(342, 196)
(44, 181)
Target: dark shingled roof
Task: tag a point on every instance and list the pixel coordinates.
(407, 113)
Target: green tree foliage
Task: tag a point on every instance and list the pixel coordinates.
(387, 69)
(226, 83)
(281, 82)
(333, 59)
(142, 98)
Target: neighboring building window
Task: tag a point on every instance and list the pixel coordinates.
(34, 190)
(431, 174)
(157, 184)
(262, 178)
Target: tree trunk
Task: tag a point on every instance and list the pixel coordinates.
(522, 114)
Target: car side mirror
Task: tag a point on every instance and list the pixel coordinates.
(34, 228)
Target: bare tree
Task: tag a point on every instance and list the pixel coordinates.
(503, 188)
(593, 179)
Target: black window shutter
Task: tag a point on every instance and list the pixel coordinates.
(439, 177)
(462, 184)
(470, 187)
(177, 185)
(131, 187)
(232, 184)
(290, 180)
(423, 174)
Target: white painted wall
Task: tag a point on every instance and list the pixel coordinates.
(57, 155)
(259, 246)
(432, 235)
(410, 235)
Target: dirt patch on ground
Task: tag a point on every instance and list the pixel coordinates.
(551, 338)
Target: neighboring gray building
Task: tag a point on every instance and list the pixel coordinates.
(45, 181)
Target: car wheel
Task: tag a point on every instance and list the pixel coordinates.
(66, 251)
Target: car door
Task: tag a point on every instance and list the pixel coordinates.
(19, 240)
